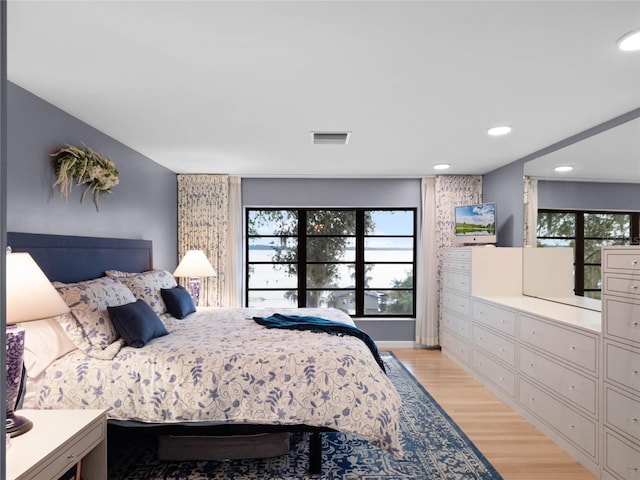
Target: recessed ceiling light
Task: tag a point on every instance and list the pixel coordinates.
(441, 166)
(563, 168)
(499, 130)
(630, 42)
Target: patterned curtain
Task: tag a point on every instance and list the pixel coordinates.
(530, 212)
(203, 224)
(440, 196)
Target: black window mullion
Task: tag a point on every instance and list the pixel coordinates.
(302, 258)
(579, 255)
(360, 267)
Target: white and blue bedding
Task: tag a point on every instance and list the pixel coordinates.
(220, 366)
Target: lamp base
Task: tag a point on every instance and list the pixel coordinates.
(194, 289)
(17, 425)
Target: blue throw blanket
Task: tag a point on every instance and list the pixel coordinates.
(318, 324)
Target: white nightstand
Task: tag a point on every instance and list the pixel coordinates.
(58, 440)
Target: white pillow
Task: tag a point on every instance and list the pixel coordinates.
(44, 343)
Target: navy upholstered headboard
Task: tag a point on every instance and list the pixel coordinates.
(66, 258)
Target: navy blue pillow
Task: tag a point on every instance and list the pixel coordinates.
(178, 301)
(136, 323)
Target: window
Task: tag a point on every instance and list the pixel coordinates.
(587, 232)
(361, 261)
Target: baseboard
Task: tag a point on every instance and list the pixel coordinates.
(396, 344)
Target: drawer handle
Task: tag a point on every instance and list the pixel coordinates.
(634, 262)
(571, 426)
(501, 379)
(533, 332)
(532, 399)
(634, 372)
(571, 387)
(530, 365)
(634, 419)
(634, 323)
(572, 347)
(634, 287)
(71, 455)
(502, 350)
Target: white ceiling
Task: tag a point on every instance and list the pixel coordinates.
(235, 87)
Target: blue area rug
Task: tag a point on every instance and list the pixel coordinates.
(434, 448)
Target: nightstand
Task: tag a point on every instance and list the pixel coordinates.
(59, 440)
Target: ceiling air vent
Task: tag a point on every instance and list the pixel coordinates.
(330, 138)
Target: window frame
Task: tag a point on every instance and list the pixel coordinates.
(579, 239)
(359, 262)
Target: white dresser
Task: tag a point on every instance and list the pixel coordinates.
(621, 362)
(539, 357)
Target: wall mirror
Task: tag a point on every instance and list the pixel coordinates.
(605, 178)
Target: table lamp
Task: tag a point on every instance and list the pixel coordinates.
(194, 265)
(29, 296)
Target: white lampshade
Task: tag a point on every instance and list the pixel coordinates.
(30, 294)
(195, 264)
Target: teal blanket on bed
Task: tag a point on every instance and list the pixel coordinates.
(319, 324)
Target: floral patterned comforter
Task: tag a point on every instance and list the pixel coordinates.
(219, 365)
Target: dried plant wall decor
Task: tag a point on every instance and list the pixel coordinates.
(82, 166)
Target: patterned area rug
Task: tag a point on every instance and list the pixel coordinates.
(434, 448)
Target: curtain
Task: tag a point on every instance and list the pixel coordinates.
(440, 196)
(206, 223)
(530, 211)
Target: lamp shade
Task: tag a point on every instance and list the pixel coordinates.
(29, 293)
(195, 264)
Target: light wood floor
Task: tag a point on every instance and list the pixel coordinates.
(515, 448)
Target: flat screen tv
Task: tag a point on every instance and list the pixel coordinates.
(476, 223)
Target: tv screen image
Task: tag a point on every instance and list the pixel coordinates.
(476, 223)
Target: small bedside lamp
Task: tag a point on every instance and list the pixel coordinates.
(194, 265)
(29, 296)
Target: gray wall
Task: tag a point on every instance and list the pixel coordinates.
(589, 196)
(299, 192)
(142, 206)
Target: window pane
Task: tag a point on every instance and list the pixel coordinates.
(334, 275)
(388, 249)
(384, 222)
(272, 275)
(273, 299)
(555, 242)
(607, 225)
(596, 295)
(399, 302)
(331, 249)
(331, 222)
(344, 300)
(556, 224)
(273, 249)
(388, 275)
(592, 277)
(273, 222)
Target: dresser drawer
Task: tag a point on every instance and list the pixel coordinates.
(456, 303)
(458, 325)
(622, 320)
(457, 253)
(456, 347)
(580, 430)
(623, 412)
(624, 260)
(579, 349)
(622, 366)
(572, 386)
(460, 282)
(456, 265)
(621, 457)
(626, 285)
(494, 344)
(498, 374)
(495, 317)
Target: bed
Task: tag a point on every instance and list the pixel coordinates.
(213, 371)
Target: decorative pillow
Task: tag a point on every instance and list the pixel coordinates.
(147, 285)
(118, 273)
(88, 302)
(137, 323)
(179, 302)
(44, 343)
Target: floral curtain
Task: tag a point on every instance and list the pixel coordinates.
(530, 211)
(206, 223)
(440, 196)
